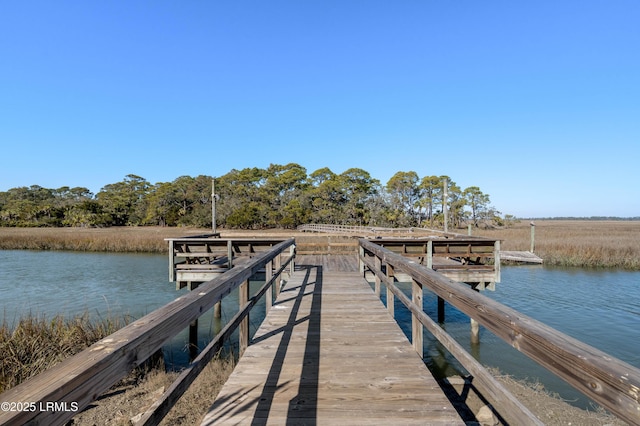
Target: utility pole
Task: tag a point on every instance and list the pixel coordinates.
(213, 206)
(444, 206)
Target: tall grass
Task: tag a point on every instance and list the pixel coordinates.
(117, 239)
(36, 343)
(581, 243)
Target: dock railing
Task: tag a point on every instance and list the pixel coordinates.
(200, 258)
(77, 381)
(610, 382)
(364, 230)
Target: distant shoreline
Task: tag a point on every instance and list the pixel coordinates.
(583, 243)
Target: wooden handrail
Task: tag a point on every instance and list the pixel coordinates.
(608, 381)
(80, 379)
(318, 227)
(161, 407)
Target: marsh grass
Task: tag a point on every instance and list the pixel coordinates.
(576, 243)
(35, 343)
(580, 243)
(116, 239)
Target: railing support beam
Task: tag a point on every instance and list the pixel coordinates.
(416, 325)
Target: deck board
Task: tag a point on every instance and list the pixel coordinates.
(520, 256)
(328, 353)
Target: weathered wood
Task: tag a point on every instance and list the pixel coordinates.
(390, 296)
(507, 405)
(520, 256)
(161, 407)
(243, 335)
(378, 265)
(268, 275)
(416, 325)
(608, 381)
(458, 257)
(83, 377)
(327, 353)
(332, 263)
(201, 257)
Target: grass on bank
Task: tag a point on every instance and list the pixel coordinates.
(117, 239)
(36, 343)
(575, 243)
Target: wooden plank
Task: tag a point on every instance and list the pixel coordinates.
(520, 256)
(328, 353)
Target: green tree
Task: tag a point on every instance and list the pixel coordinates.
(358, 188)
(86, 213)
(163, 206)
(125, 201)
(283, 185)
(200, 200)
(326, 197)
(404, 194)
(432, 189)
(241, 200)
(478, 203)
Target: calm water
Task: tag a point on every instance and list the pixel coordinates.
(601, 308)
(102, 285)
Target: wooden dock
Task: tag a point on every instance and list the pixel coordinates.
(520, 256)
(329, 353)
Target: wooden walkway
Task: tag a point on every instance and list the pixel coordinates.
(329, 353)
(520, 256)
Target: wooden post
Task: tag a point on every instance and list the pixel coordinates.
(533, 237)
(496, 261)
(217, 310)
(360, 262)
(440, 310)
(390, 296)
(475, 331)
(430, 254)
(172, 266)
(268, 274)
(378, 264)
(475, 326)
(416, 326)
(469, 229)
(243, 334)
(278, 260)
(230, 253)
(193, 330)
(292, 254)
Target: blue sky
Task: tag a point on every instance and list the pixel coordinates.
(537, 103)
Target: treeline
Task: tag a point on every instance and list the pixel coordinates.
(281, 196)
